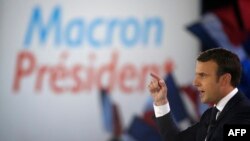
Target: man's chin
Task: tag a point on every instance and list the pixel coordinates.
(207, 102)
(203, 100)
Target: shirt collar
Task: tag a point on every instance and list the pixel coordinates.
(221, 104)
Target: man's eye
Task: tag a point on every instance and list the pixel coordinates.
(202, 75)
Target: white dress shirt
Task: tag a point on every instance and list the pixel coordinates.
(222, 103)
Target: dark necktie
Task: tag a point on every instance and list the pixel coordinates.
(212, 121)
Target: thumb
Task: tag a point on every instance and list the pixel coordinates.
(162, 84)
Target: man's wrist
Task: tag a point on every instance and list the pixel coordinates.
(161, 102)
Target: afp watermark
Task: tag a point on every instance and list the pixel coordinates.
(239, 132)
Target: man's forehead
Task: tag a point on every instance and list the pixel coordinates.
(207, 63)
(204, 67)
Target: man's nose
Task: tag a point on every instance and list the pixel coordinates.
(196, 82)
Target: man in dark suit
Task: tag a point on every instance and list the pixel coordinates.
(217, 75)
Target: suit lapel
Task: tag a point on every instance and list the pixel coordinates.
(234, 100)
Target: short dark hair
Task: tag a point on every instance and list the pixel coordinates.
(227, 62)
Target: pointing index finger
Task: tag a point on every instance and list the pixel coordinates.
(155, 76)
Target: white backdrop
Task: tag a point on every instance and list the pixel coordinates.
(52, 54)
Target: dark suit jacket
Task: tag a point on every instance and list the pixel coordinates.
(236, 111)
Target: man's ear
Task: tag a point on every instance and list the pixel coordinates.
(226, 79)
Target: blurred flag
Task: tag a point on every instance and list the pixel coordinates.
(111, 116)
(117, 126)
(176, 103)
(107, 111)
(192, 102)
(245, 78)
(228, 27)
(246, 46)
(141, 131)
(207, 41)
(211, 26)
(148, 113)
(234, 16)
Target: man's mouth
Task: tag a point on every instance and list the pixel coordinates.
(201, 92)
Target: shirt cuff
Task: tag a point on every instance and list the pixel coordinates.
(161, 110)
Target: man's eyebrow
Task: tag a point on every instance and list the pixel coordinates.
(201, 73)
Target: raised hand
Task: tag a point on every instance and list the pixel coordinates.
(158, 90)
